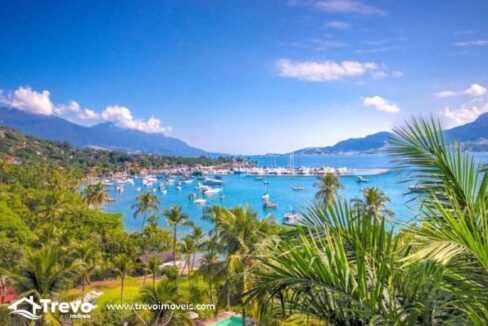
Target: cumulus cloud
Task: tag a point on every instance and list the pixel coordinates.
(72, 106)
(472, 43)
(445, 94)
(87, 114)
(28, 100)
(327, 70)
(464, 114)
(381, 104)
(475, 90)
(337, 25)
(346, 6)
(122, 117)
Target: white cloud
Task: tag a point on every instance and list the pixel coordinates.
(337, 25)
(72, 106)
(465, 113)
(381, 104)
(472, 43)
(475, 90)
(29, 100)
(26, 99)
(87, 114)
(327, 70)
(445, 94)
(122, 117)
(346, 6)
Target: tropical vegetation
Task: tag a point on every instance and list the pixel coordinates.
(348, 261)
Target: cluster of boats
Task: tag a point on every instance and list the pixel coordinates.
(154, 183)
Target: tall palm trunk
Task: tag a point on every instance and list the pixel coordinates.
(174, 246)
(122, 289)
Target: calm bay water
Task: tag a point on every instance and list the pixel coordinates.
(246, 190)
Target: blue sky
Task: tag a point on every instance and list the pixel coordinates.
(247, 76)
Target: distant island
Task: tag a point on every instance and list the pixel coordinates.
(472, 136)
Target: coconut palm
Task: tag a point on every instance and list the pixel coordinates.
(164, 292)
(453, 223)
(329, 185)
(373, 203)
(123, 266)
(209, 266)
(86, 253)
(95, 195)
(187, 249)
(175, 217)
(197, 236)
(146, 203)
(44, 274)
(153, 265)
(240, 232)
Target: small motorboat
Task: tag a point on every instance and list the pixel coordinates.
(266, 182)
(200, 201)
(210, 191)
(213, 181)
(265, 196)
(297, 188)
(269, 204)
(291, 218)
(361, 179)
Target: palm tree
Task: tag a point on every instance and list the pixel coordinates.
(343, 269)
(453, 223)
(153, 265)
(146, 203)
(176, 218)
(329, 185)
(208, 269)
(197, 236)
(44, 274)
(87, 254)
(164, 292)
(240, 232)
(123, 265)
(187, 248)
(95, 195)
(373, 203)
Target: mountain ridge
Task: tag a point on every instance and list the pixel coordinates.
(471, 136)
(103, 135)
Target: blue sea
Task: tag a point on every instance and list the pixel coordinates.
(247, 191)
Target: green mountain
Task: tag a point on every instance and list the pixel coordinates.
(472, 136)
(17, 148)
(105, 135)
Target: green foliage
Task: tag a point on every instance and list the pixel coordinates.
(23, 148)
